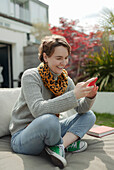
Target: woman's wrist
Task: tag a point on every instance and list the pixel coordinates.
(92, 97)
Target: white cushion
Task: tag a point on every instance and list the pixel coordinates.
(8, 98)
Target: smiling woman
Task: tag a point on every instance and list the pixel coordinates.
(47, 91)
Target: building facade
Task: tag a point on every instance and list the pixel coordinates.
(16, 19)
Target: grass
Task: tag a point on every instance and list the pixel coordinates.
(104, 119)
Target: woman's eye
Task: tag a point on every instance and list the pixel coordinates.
(58, 58)
(61, 58)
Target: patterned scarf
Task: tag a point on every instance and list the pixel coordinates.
(57, 87)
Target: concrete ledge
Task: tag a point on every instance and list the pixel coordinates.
(104, 103)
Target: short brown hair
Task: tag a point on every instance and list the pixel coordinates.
(49, 43)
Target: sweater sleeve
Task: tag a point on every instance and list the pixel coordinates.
(32, 91)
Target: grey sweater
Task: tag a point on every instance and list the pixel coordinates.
(35, 100)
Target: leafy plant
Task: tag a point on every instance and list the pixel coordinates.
(102, 66)
(40, 30)
(107, 20)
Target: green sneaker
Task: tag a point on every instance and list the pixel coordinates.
(77, 146)
(57, 155)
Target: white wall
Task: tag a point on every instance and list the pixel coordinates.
(104, 103)
(15, 34)
(18, 40)
(14, 25)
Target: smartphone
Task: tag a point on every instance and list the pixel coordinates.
(93, 82)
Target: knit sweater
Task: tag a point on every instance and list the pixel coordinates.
(35, 100)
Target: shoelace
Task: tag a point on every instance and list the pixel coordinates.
(75, 144)
(61, 149)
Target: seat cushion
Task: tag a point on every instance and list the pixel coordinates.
(8, 97)
(99, 155)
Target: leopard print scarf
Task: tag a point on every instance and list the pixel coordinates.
(57, 87)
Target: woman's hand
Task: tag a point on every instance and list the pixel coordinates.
(93, 92)
(83, 90)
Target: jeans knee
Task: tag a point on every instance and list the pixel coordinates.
(51, 123)
(92, 117)
(52, 129)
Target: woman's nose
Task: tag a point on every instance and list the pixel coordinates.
(64, 62)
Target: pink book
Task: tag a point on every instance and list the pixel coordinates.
(100, 131)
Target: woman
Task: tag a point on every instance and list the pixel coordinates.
(45, 92)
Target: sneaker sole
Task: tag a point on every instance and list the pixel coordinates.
(82, 149)
(56, 159)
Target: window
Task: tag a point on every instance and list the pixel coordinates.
(20, 9)
(4, 6)
(38, 13)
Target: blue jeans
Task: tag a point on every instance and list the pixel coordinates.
(48, 130)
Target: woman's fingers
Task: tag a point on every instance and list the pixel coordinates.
(82, 89)
(89, 81)
(88, 88)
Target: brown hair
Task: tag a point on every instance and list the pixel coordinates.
(49, 43)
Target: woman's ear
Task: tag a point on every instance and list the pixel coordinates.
(45, 57)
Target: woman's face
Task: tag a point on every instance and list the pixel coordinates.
(58, 60)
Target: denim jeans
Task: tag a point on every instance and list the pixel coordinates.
(48, 130)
